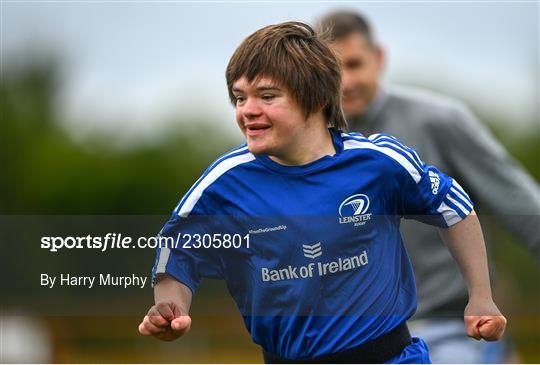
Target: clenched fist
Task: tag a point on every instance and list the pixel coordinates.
(165, 322)
(483, 320)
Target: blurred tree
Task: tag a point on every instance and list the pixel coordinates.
(45, 172)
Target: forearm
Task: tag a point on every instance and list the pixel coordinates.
(169, 289)
(466, 244)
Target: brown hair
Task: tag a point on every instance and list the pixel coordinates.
(342, 23)
(294, 56)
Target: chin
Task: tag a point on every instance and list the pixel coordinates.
(257, 148)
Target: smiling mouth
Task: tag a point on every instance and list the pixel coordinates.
(257, 127)
(254, 130)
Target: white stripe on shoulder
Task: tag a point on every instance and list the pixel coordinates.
(236, 150)
(388, 140)
(216, 162)
(379, 137)
(395, 145)
(220, 169)
(396, 156)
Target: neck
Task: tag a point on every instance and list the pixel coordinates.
(313, 143)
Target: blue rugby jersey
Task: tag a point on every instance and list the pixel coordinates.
(325, 269)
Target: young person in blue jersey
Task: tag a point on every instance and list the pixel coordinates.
(318, 269)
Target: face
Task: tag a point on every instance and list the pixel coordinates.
(362, 66)
(268, 116)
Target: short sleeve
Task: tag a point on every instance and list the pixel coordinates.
(178, 253)
(423, 192)
(436, 199)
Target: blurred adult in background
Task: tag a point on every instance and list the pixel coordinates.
(449, 136)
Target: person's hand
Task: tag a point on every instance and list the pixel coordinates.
(164, 321)
(483, 320)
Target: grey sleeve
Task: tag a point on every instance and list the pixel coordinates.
(494, 179)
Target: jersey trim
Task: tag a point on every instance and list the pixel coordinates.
(395, 152)
(164, 254)
(458, 189)
(391, 141)
(456, 205)
(212, 176)
(233, 153)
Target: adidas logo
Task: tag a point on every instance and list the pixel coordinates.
(312, 251)
(434, 178)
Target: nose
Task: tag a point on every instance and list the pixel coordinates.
(251, 108)
(346, 80)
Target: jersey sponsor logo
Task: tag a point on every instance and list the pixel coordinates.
(354, 210)
(313, 269)
(312, 251)
(435, 181)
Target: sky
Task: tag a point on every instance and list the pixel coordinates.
(131, 68)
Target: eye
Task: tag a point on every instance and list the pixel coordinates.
(268, 97)
(240, 99)
(354, 64)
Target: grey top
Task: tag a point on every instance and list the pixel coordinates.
(447, 135)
